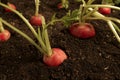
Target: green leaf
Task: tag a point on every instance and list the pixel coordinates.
(70, 17)
(53, 17)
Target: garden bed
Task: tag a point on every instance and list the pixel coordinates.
(97, 58)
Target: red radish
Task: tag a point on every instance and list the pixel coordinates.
(84, 30)
(11, 6)
(105, 11)
(36, 20)
(59, 6)
(56, 58)
(4, 35)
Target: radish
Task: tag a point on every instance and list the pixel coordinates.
(4, 35)
(57, 57)
(51, 56)
(59, 6)
(105, 11)
(11, 6)
(36, 20)
(84, 30)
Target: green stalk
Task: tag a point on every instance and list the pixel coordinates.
(1, 26)
(84, 3)
(52, 22)
(65, 4)
(105, 18)
(40, 39)
(81, 14)
(27, 23)
(83, 11)
(24, 35)
(116, 27)
(41, 42)
(37, 3)
(97, 14)
(107, 6)
(113, 30)
(63, 1)
(111, 24)
(89, 14)
(46, 38)
(22, 17)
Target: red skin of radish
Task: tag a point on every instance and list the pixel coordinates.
(56, 58)
(4, 35)
(59, 6)
(12, 6)
(84, 30)
(36, 20)
(105, 11)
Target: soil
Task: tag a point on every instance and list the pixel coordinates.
(97, 58)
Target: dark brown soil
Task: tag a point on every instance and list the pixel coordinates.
(97, 58)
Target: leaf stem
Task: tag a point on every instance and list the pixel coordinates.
(24, 35)
(113, 30)
(52, 22)
(26, 22)
(107, 6)
(41, 42)
(46, 38)
(65, 4)
(116, 27)
(37, 3)
(22, 17)
(81, 14)
(1, 26)
(97, 14)
(89, 14)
